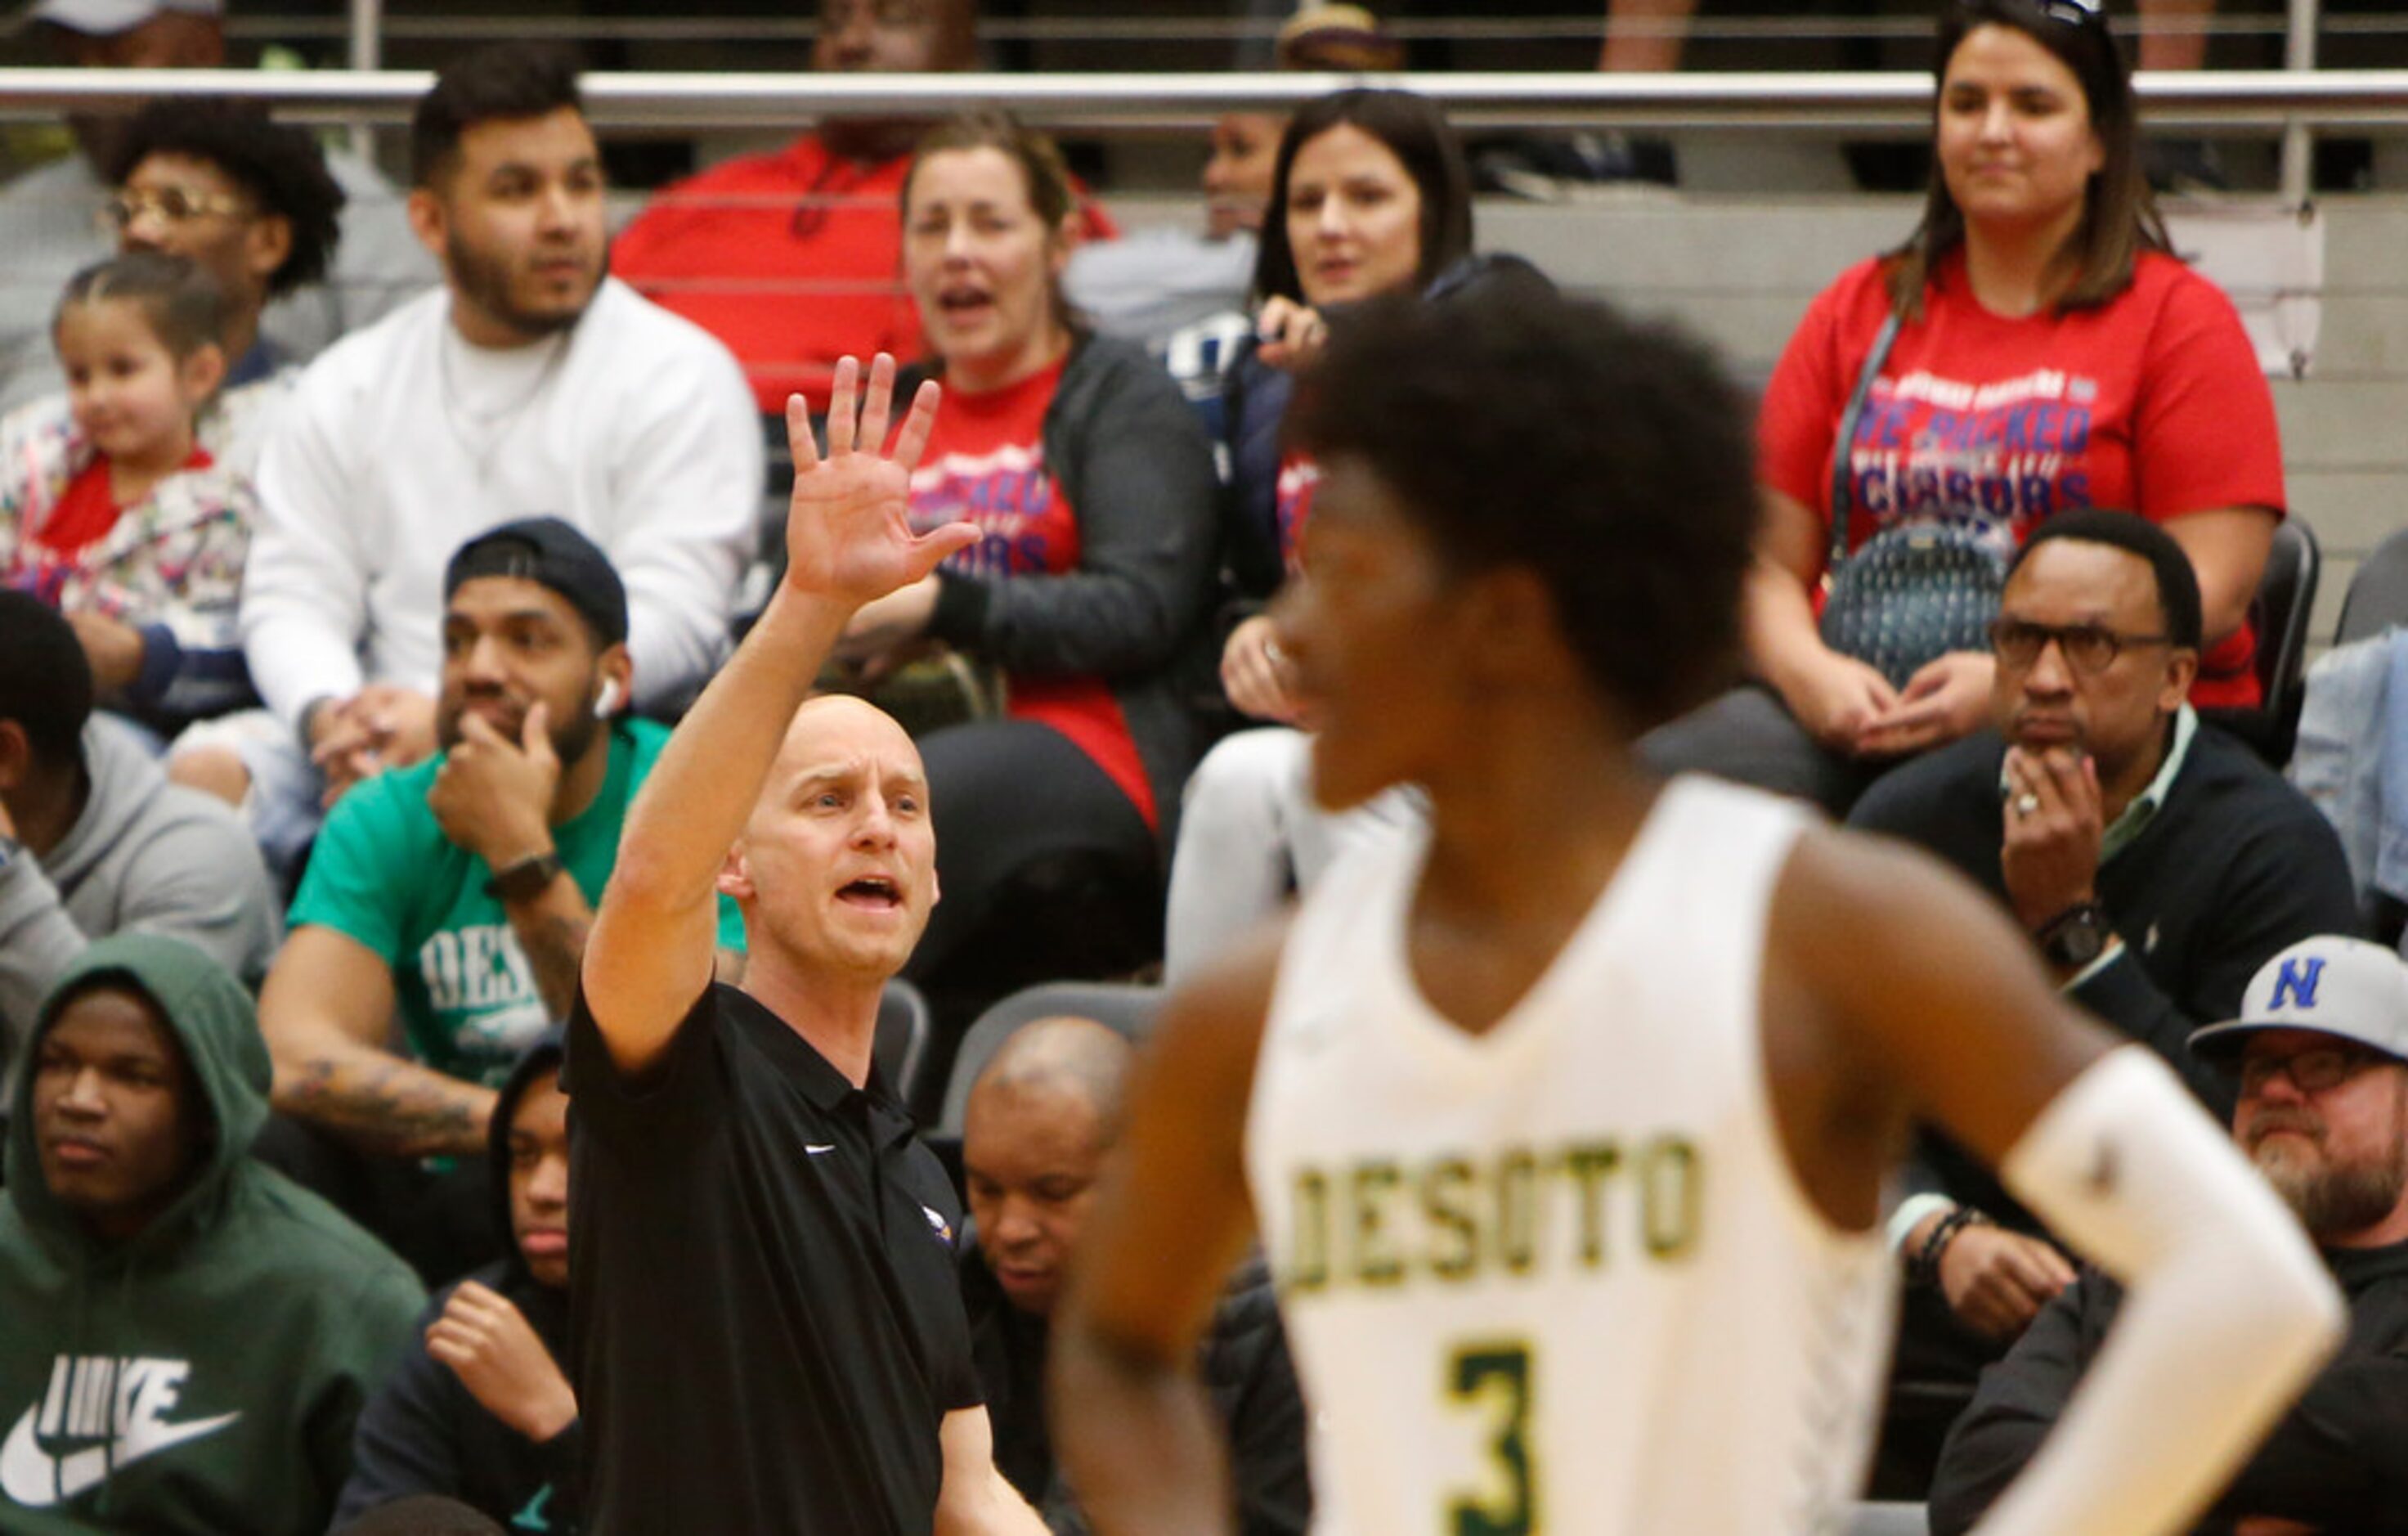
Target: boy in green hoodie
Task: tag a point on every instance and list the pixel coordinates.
(189, 1335)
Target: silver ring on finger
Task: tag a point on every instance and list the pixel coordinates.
(2025, 804)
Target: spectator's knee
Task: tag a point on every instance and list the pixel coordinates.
(1244, 785)
(212, 770)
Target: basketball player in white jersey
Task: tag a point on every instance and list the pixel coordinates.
(1566, 1122)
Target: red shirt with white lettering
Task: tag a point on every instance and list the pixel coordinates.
(986, 464)
(2152, 403)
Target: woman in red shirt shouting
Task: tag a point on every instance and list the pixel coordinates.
(1092, 486)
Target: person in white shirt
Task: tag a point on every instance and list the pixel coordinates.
(530, 384)
(50, 223)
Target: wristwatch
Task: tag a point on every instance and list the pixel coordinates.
(527, 878)
(1923, 1267)
(2074, 937)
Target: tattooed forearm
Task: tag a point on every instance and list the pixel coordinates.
(383, 1104)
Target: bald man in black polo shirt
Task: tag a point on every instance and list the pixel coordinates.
(764, 1327)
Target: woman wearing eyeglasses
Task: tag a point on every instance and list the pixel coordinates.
(2034, 347)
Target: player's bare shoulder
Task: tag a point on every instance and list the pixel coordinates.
(1901, 987)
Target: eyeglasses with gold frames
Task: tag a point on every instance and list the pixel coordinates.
(174, 205)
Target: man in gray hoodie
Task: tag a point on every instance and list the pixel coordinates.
(93, 840)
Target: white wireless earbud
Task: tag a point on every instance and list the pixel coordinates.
(607, 702)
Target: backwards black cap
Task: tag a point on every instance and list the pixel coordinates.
(551, 554)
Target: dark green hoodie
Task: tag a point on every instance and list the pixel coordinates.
(204, 1375)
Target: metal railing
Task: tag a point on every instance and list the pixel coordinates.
(1227, 31)
(1864, 103)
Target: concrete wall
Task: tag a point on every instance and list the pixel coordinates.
(1742, 269)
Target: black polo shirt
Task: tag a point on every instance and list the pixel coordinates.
(765, 1329)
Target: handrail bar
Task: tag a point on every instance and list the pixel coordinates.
(1856, 103)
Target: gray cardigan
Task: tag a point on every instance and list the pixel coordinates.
(1132, 458)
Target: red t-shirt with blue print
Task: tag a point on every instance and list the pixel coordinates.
(985, 464)
(2153, 403)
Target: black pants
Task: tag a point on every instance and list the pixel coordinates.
(1045, 869)
(1749, 735)
(442, 1220)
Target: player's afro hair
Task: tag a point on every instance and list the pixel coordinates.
(1612, 458)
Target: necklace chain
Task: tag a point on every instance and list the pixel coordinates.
(483, 433)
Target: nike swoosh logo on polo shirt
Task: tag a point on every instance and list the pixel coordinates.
(816, 1150)
(35, 1479)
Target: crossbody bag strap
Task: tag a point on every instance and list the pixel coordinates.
(1841, 505)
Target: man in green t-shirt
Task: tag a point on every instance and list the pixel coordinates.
(440, 924)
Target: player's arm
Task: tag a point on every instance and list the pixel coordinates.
(1926, 993)
(847, 540)
(1134, 1429)
(326, 1011)
(976, 1500)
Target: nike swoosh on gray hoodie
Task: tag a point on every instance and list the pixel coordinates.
(203, 1376)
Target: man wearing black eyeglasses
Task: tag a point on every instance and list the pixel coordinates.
(2155, 861)
(2321, 1054)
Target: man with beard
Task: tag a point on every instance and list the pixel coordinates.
(529, 383)
(2320, 1053)
(452, 897)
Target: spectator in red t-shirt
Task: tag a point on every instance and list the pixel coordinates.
(110, 509)
(792, 258)
(2052, 354)
(1092, 485)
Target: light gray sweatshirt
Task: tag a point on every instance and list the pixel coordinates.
(144, 855)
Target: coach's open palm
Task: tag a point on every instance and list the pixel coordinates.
(848, 525)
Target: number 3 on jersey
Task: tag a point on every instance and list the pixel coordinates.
(1495, 1375)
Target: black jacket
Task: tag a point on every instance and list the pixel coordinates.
(2338, 1461)
(1246, 1368)
(1253, 408)
(2235, 867)
(424, 1432)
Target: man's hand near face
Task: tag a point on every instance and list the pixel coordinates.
(492, 797)
(2056, 819)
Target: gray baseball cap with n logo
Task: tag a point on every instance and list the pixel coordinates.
(2344, 987)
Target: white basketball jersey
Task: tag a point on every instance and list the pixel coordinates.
(1561, 1277)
